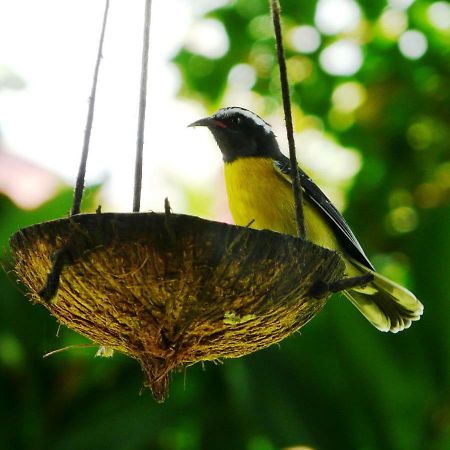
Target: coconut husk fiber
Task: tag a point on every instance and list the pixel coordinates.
(171, 290)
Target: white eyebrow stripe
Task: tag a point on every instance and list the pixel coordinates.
(252, 116)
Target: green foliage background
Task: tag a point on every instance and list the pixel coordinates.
(340, 384)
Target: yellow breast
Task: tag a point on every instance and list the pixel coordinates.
(259, 196)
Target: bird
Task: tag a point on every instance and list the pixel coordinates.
(259, 189)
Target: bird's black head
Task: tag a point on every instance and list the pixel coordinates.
(240, 133)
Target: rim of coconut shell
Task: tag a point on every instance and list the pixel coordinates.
(169, 289)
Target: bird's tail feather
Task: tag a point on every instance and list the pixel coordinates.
(387, 305)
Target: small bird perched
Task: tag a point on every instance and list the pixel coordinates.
(259, 188)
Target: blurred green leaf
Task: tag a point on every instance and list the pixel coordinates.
(339, 384)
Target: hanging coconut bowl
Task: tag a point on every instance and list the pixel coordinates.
(170, 290)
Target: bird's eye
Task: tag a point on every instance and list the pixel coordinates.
(236, 120)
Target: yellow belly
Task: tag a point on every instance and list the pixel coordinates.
(258, 196)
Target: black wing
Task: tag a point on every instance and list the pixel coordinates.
(344, 234)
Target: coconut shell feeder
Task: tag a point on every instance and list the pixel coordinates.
(168, 289)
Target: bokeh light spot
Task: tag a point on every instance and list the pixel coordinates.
(420, 135)
(242, 76)
(349, 96)
(393, 22)
(262, 59)
(400, 4)
(11, 352)
(304, 39)
(261, 27)
(337, 16)
(439, 15)
(413, 44)
(208, 38)
(340, 120)
(403, 219)
(299, 68)
(335, 162)
(343, 57)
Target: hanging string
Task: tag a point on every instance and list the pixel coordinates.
(296, 182)
(79, 187)
(142, 107)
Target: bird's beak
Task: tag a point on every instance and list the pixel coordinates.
(206, 122)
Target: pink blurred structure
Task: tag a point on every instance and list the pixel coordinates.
(27, 184)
